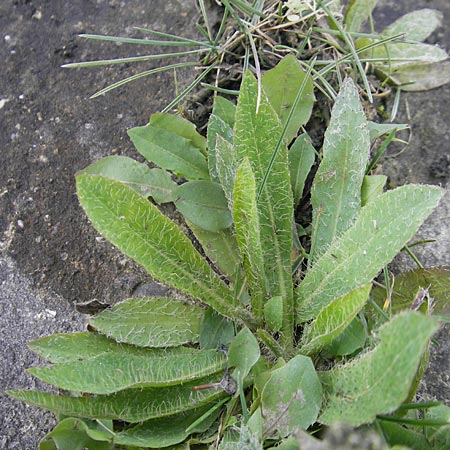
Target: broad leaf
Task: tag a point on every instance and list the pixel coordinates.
(246, 223)
(170, 151)
(243, 354)
(131, 405)
(109, 372)
(349, 341)
(155, 183)
(292, 397)
(379, 381)
(416, 25)
(301, 159)
(372, 187)
(336, 190)
(150, 322)
(204, 204)
(332, 320)
(383, 227)
(281, 85)
(124, 218)
(216, 332)
(273, 313)
(257, 137)
(358, 11)
(220, 123)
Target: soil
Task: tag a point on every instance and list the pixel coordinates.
(50, 129)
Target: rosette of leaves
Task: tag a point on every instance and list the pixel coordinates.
(240, 361)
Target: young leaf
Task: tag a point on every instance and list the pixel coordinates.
(220, 123)
(379, 381)
(383, 227)
(281, 85)
(377, 130)
(150, 322)
(416, 25)
(246, 222)
(257, 136)
(124, 218)
(358, 11)
(292, 397)
(215, 331)
(204, 204)
(336, 190)
(108, 373)
(372, 188)
(273, 313)
(243, 353)
(155, 183)
(349, 341)
(130, 405)
(170, 151)
(301, 159)
(332, 320)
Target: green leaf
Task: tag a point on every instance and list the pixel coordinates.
(436, 279)
(150, 322)
(301, 159)
(396, 434)
(226, 166)
(382, 228)
(379, 381)
(257, 136)
(143, 233)
(332, 320)
(215, 331)
(180, 127)
(204, 204)
(72, 434)
(439, 436)
(247, 227)
(130, 405)
(336, 190)
(243, 353)
(377, 130)
(273, 313)
(349, 341)
(292, 397)
(372, 187)
(155, 183)
(358, 11)
(220, 123)
(170, 151)
(109, 372)
(59, 348)
(281, 85)
(416, 25)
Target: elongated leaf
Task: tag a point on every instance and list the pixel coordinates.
(155, 183)
(301, 159)
(204, 204)
(379, 381)
(292, 397)
(377, 130)
(372, 187)
(226, 166)
(109, 372)
(246, 222)
(332, 320)
(131, 405)
(358, 11)
(60, 348)
(383, 227)
(281, 85)
(336, 190)
(170, 151)
(417, 25)
(273, 313)
(397, 434)
(181, 127)
(150, 322)
(140, 231)
(257, 136)
(220, 123)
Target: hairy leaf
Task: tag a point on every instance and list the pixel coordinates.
(383, 227)
(273, 313)
(204, 204)
(292, 397)
(332, 320)
(336, 190)
(372, 187)
(281, 85)
(301, 159)
(215, 331)
(226, 166)
(358, 11)
(246, 223)
(155, 183)
(257, 136)
(379, 381)
(125, 219)
(130, 405)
